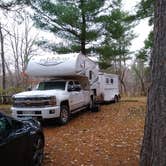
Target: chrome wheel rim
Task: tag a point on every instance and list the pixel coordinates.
(64, 115)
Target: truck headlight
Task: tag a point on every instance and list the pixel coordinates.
(52, 101)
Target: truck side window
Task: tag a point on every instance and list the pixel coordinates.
(70, 85)
(111, 80)
(107, 80)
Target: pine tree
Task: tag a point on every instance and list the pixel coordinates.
(73, 21)
(118, 36)
(153, 150)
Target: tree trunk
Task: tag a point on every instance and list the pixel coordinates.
(2, 59)
(153, 152)
(83, 29)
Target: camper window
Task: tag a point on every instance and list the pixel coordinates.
(107, 80)
(112, 81)
(90, 75)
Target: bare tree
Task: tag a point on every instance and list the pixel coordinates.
(2, 58)
(22, 46)
(140, 73)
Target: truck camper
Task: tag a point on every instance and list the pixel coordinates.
(66, 65)
(72, 82)
(65, 92)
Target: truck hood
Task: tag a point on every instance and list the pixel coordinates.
(39, 93)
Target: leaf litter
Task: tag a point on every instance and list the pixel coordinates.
(111, 137)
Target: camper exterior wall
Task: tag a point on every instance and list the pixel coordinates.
(57, 65)
(74, 64)
(109, 86)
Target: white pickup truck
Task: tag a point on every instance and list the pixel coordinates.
(52, 99)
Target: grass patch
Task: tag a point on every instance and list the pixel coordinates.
(5, 109)
(134, 99)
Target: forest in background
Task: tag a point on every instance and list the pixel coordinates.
(95, 28)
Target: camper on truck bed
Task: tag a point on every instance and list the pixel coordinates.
(66, 92)
(74, 84)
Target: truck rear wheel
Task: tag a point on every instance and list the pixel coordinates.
(64, 115)
(90, 105)
(116, 99)
(96, 108)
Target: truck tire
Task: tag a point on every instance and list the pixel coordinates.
(96, 108)
(116, 99)
(64, 115)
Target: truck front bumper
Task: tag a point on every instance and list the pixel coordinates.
(38, 113)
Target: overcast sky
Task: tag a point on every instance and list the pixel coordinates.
(142, 29)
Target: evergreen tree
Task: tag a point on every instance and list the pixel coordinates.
(146, 10)
(145, 52)
(73, 21)
(114, 50)
(11, 4)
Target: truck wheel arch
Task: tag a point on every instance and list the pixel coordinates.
(64, 113)
(116, 99)
(65, 102)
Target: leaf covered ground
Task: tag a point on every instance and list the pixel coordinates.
(111, 137)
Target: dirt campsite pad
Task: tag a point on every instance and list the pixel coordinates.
(111, 137)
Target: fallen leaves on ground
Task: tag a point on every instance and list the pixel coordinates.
(111, 137)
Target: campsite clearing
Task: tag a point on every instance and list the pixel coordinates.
(112, 136)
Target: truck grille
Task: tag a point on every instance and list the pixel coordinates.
(32, 102)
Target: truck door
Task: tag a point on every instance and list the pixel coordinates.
(81, 94)
(73, 96)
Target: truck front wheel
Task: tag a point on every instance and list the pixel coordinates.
(116, 99)
(64, 115)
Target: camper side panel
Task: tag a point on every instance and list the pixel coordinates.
(56, 65)
(109, 86)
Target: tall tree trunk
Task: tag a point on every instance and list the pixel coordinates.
(153, 152)
(2, 59)
(83, 29)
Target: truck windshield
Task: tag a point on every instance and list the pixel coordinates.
(51, 85)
